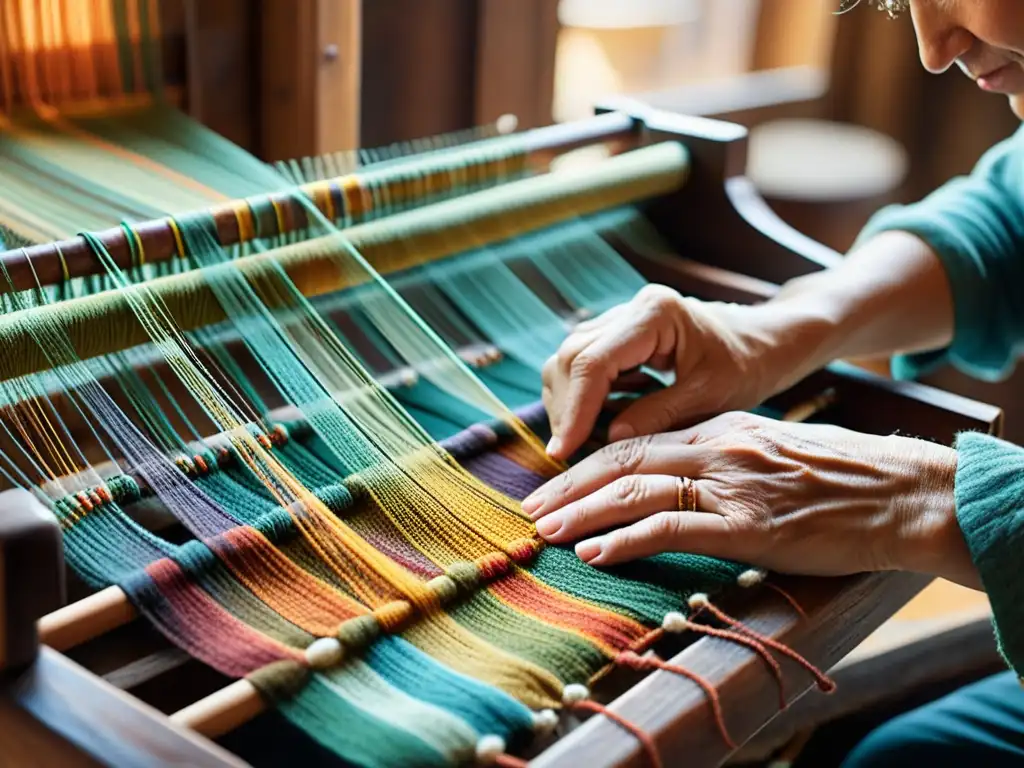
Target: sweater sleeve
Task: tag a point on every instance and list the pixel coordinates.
(990, 510)
(975, 224)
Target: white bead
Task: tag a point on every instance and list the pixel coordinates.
(324, 652)
(750, 578)
(574, 693)
(675, 622)
(545, 721)
(698, 600)
(490, 748)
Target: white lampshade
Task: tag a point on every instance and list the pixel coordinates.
(626, 14)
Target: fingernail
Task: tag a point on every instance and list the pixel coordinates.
(549, 526)
(589, 549)
(554, 446)
(531, 504)
(620, 432)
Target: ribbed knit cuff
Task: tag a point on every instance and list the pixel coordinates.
(990, 510)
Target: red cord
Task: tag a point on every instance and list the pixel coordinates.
(645, 740)
(647, 640)
(788, 598)
(508, 761)
(824, 682)
(753, 644)
(633, 661)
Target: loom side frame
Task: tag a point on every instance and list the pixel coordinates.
(107, 726)
(31, 575)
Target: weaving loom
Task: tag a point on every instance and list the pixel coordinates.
(274, 422)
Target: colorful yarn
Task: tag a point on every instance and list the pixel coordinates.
(362, 561)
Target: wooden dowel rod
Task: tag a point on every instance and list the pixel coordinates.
(223, 711)
(806, 410)
(85, 619)
(106, 322)
(44, 262)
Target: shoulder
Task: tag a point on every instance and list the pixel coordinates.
(1004, 159)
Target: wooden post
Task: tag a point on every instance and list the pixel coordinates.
(31, 574)
(311, 66)
(515, 61)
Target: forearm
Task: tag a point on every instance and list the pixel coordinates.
(890, 296)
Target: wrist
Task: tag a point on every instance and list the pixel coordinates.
(927, 535)
(792, 338)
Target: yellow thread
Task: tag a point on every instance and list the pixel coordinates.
(327, 206)
(63, 263)
(352, 192)
(177, 237)
(279, 215)
(243, 215)
(139, 249)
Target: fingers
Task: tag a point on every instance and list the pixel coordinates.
(581, 383)
(624, 501)
(642, 513)
(648, 455)
(660, 411)
(698, 533)
(553, 375)
(578, 379)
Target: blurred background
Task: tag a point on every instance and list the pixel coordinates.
(884, 128)
(873, 126)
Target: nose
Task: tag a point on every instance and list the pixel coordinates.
(940, 39)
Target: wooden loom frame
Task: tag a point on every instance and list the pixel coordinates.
(304, 65)
(743, 258)
(304, 59)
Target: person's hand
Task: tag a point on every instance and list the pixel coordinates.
(797, 498)
(723, 356)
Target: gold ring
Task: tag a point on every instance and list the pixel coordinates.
(687, 499)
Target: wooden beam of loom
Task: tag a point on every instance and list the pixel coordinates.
(106, 322)
(31, 573)
(45, 264)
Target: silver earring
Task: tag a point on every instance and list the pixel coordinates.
(893, 7)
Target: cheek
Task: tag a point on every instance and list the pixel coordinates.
(998, 24)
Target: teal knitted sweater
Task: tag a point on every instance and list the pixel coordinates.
(976, 225)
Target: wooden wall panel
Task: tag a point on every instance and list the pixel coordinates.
(220, 48)
(418, 69)
(309, 67)
(449, 65)
(515, 61)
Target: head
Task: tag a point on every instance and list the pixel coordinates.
(984, 38)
